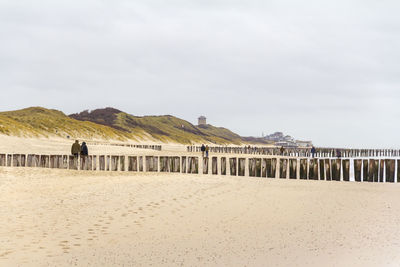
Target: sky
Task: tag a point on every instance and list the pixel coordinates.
(326, 71)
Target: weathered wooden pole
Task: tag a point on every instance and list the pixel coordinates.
(108, 163)
(390, 165)
(214, 166)
(321, 169)
(357, 170)
(102, 163)
(365, 170)
(2, 160)
(258, 167)
(252, 167)
(141, 163)
(73, 163)
(381, 169)
(336, 169)
(16, 158)
(114, 163)
(233, 166)
(264, 168)
(205, 165)
(313, 169)
(292, 168)
(132, 164)
(283, 168)
(328, 169)
(346, 170)
(163, 164)
(223, 165)
(183, 169)
(303, 169)
(122, 163)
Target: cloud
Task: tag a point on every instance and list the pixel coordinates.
(313, 69)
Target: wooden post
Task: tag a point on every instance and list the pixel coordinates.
(102, 163)
(233, 166)
(365, 170)
(336, 169)
(44, 161)
(223, 166)
(141, 163)
(2, 160)
(283, 168)
(214, 166)
(242, 166)
(258, 167)
(9, 160)
(53, 161)
(328, 169)
(114, 163)
(149, 163)
(155, 164)
(73, 163)
(357, 170)
(205, 165)
(176, 166)
(292, 169)
(346, 170)
(372, 171)
(303, 169)
(313, 169)
(16, 160)
(122, 163)
(390, 165)
(132, 164)
(252, 167)
(321, 169)
(381, 170)
(264, 168)
(183, 169)
(398, 170)
(23, 160)
(108, 163)
(94, 163)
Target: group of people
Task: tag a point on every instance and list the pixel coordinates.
(204, 149)
(78, 149)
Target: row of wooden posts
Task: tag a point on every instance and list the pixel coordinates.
(366, 170)
(153, 147)
(301, 152)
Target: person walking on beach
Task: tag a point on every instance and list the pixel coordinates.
(207, 148)
(338, 153)
(203, 149)
(84, 150)
(76, 149)
(313, 150)
(282, 150)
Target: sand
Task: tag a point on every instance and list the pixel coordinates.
(63, 217)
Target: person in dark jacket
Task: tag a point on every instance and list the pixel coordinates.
(203, 149)
(313, 150)
(84, 149)
(76, 148)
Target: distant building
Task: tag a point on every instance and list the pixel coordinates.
(202, 120)
(287, 141)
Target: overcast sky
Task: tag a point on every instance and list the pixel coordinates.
(326, 71)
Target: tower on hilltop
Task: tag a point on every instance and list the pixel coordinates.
(202, 120)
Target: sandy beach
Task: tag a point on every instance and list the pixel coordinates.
(54, 217)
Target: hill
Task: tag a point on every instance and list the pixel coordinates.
(110, 123)
(164, 128)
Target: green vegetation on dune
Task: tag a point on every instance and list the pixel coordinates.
(37, 121)
(110, 123)
(165, 128)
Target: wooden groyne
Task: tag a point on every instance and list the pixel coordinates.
(330, 169)
(152, 147)
(300, 152)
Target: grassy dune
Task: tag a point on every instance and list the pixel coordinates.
(109, 124)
